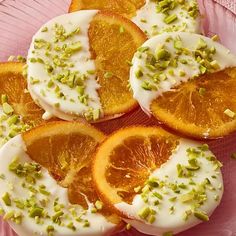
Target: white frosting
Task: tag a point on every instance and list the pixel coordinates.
(152, 23)
(12, 184)
(165, 221)
(189, 40)
(82, 61)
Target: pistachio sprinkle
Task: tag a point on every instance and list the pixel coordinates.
(185, 192)
(59, 51)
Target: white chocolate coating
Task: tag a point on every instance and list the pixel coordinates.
(69, 106)
(222, 56)
(167, 221)
(152, 23)
(13, 185)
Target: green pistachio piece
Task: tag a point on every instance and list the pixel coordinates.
(36, 211)
(108, 75)
(229, 113)
(162, 54)
(144, 213)
(138, 73)
(6, 198)
(7, 109)
(99, 205)
(201, 215)
(170, 19)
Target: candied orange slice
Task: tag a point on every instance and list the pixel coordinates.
(126, 159)
(126, 8)
(113, 42)
(204, 107)
(13, 85)
(67, 153)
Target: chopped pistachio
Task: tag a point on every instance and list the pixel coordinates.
(99, 205)
(121, 29)
(202, 69)
(144, 213)
(201, 215)
(229, 113)
(215, 65)
(128, 226)
(187, 197)
(151, 219)
(6, 198)
(138, 73)
(170, 19)
(162, 54)
(44, 29)
(153, 182)
(201, 44)
(71, 226)
(202, 91)
(4, 98)
(182, 73)
(143, 49)
(215, 38)
(148, 86)
(36, 211)
(7, 109)
(108, 75)
(50, 229)
(86, 224)
(158, 195)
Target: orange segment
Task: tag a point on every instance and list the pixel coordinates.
(113, 42)
(202, 115)
(13, 84)
(67, 153)
(126, 8)
(127, 158)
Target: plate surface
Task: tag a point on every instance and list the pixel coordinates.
(20, 19)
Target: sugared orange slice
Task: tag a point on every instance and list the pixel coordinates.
(18, 112)
(14, 86)
(86, 68)
(147, 175)
(127, 158)
(112, 50)
(67, 153)
(123, 7)
(209, 114)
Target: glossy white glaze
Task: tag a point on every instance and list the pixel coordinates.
(174, 222)
(13, 185)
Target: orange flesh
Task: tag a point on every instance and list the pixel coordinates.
(126, 159)
(187, 111)
(67, 156)
(13, 84)
(126, 8)
(134, 160)
(111, 50)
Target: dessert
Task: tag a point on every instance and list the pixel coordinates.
(78, 65)
(54, 192)
(147, 175)
(186, 81)
(18, 112)
(153, 17)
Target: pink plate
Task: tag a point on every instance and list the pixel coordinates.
(20, 19)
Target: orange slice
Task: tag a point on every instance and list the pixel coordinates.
(126, 8)
(125, 160)
(13, 84)
(67, 153)
(207, 114)
(113, 42)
